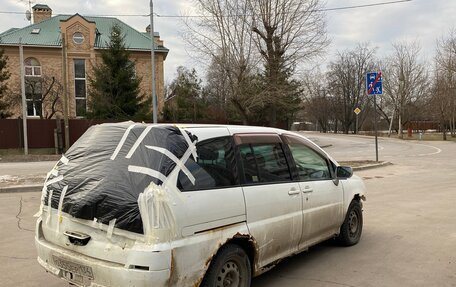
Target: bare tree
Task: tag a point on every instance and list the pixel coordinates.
(225, 37)
(217, 91)
(445, 82)
(346, 76)
(317, 100)
(406, 82)
(224, 105)
(287, 32)
(440, 101)
(246, 38)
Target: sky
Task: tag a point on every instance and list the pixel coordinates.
(419, 20)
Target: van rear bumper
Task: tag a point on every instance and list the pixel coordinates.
(105, 274)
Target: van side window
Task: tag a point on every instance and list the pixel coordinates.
(264, 163)
(310, 164)
(214, 168)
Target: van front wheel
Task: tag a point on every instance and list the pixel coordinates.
(350, 231)
(229, 268)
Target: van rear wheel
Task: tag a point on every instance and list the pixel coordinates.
(229, 268)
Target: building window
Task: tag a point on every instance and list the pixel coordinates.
(33, 92)
(78, 38)
(33, 96)
(32, 67)
(80, 90)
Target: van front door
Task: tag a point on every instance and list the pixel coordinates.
(322, 197)
(273, 201)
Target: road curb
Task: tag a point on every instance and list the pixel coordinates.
(370, 166)
(21, 188)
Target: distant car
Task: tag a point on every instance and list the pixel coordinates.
(190, 205)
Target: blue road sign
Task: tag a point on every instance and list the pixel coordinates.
(374, 84)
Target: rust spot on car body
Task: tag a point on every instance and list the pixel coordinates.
(238, 236)
(197, 283)
(252, 250)
(173, 276)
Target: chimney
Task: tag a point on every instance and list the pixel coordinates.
(157, 39)
(41, 12)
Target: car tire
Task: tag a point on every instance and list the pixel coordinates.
(351, 229)
(230, 267)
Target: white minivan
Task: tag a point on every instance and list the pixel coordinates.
(134, 204)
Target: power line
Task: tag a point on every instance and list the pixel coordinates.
(316, 10)
(10, 12)
(88, 15)
(203, 16)
(365, 5)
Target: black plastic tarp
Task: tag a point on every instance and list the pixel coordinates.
(101, 188)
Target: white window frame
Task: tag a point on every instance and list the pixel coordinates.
(85, 87)
(32, 75)
(77, 37)
(32, 67)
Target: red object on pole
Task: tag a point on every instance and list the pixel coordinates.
(409, 132)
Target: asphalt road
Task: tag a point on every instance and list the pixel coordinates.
(409, 236)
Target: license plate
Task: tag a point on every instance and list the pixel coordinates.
(73, 267)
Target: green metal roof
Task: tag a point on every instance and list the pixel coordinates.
(49, 34)
(9, 31)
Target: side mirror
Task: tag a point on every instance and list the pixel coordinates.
(343, 172)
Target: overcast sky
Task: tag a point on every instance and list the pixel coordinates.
(420, 20)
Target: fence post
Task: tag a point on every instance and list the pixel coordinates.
(20, 134)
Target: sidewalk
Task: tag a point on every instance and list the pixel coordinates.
(23, 176)
(9, 183)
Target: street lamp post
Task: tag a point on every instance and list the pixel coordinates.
(152, 56)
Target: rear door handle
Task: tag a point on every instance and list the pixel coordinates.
(293, 191)
(307, 189)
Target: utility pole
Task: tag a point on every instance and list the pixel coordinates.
(24, 102)
(65, 93)
(152, 56)
(391, 122)
(401, 99)
(356, 129)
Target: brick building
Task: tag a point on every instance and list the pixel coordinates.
(84, 38)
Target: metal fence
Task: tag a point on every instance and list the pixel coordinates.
(41, 133)
(50, 133)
